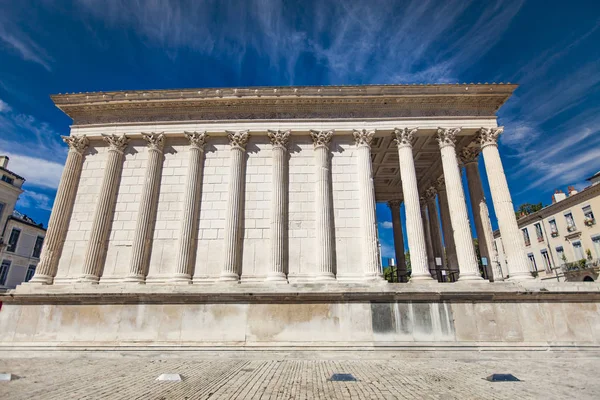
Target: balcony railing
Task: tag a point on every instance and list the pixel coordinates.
(580, 265)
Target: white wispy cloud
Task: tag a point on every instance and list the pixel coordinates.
(37, 171)
(386, 224)
(32, 199)
(4, 107)
(21, 43)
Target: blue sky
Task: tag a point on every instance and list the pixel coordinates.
(551, 48)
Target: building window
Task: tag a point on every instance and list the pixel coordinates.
(546, 258)
(553, 228)
(7, 179)
(538, 232)
(526, 237)
(570, 222)
(560, 253)
(37, 249)
(1, 210)
(532, 265)
(13, 240)
(30, 273)
(588, 216)
(4, 271)
(578, 251)
(596, 241)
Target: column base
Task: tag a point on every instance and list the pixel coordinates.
(374, 277)
(474, 278)
(139, 279)
(181, 279)
(278, 277)
(521, 276)
(39, 279)
(422, 279)
(229, 277)
(91, 279)
(325, 276)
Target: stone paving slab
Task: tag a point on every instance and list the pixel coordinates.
(275, 377)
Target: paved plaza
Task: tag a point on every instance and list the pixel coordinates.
(304, 376)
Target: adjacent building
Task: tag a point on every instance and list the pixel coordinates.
(21, 238)
(562, 241)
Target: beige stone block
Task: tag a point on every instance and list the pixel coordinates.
(220, 323)
(9, 318)
(26, 328)
(536, 322)
(465, 325)
(508, 322)
(487, 326)
(170, 323)
(139, 322)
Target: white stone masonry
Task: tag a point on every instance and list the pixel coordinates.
(368, 217)
(394, 206)
(434, 227)
(233, 217)
(279, 206)
(446, 225)
(507, 222)
(105, 206)
(465, 251)
(61, 211)
(324, 245)
(414, 225)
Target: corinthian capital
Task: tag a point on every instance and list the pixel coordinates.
(197, 139)
(431, 193)
(321, 138)
(76, 143)
(116, 143)
(279, 138)
(489, 137)
(394, 204)
(447, 136)
(363, 137)
(155, 141)
(404, 136)
(238, 139)
(468, 155)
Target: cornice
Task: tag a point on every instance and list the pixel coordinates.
(383, 101)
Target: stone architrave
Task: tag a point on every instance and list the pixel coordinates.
(512, 238)
(323, 206)
(233, 217)
(394, 206)
(447, 225)
(188, 234)
(368, 217)
(105, 207)
(465, 251)
(144, 229)
(434, 228)
(61, 211)
(414, 225)
(469, 157)
(279, 206)
(427, 232)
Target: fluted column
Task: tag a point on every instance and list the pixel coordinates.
(465, 251)
(61, 211)
(434, 228)
(279, 207)
(469, 157)
(446, 225)
(507, 222)
(233, 217)
(427, 232)
(188, 232)
(414, 225)
(366, 194)
(323, 206)
(105, 207)
(394, 206)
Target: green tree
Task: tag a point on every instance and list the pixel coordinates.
(528, 208)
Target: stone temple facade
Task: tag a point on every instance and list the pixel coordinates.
(171, 198)
(275, 184)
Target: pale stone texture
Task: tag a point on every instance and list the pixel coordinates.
(465, 252)
(394, 206)
(414, 225)
(447, 225)
(61, 211)
(146, 219)
(368, 218)
(96, 250)
(505, 212)
(188, 236)
(434, 228)
(427, 232)
(233, 218)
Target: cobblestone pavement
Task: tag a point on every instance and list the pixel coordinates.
(246, 377)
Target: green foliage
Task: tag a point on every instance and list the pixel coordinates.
(528, 208)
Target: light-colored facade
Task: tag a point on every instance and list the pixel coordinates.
(563, 238)
(274, 184)
(21, 238)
